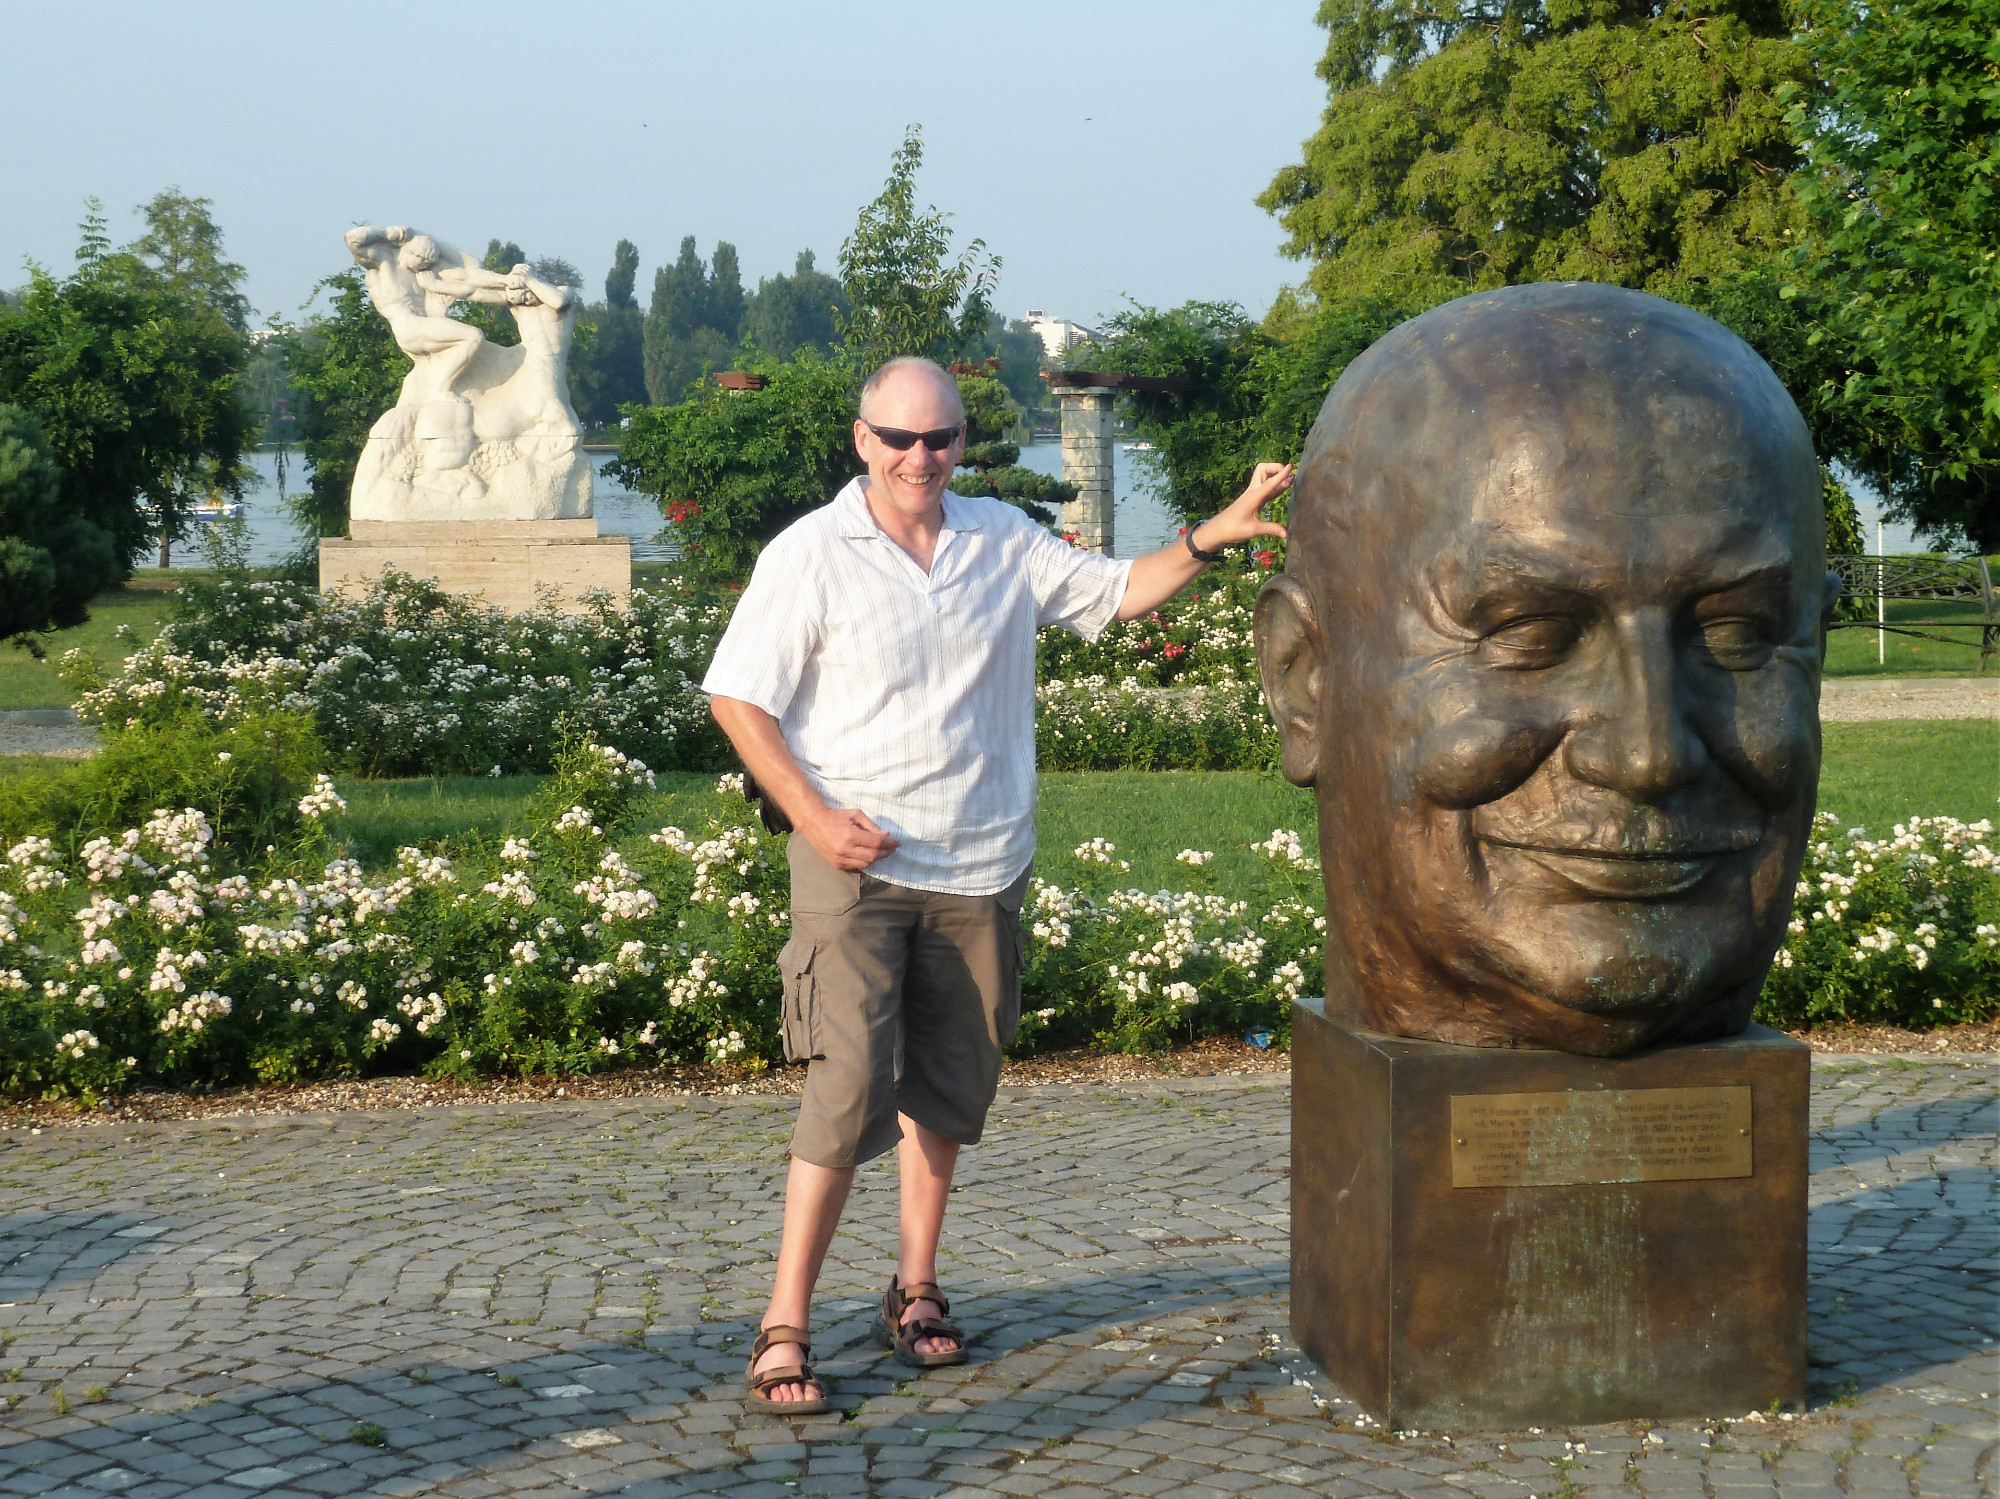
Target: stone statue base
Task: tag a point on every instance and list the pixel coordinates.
(1498, 1239)
(507, 563)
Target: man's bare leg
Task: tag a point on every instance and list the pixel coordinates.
(814, 1196)
(925, 1162)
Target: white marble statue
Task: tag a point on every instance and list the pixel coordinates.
(480, 432)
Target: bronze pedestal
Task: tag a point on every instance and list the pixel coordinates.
(1504, 1238)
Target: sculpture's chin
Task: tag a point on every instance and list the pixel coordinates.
(1476, 1018)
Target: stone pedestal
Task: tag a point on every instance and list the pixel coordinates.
(1087, 428)
(1502, 1239)
(507, 563)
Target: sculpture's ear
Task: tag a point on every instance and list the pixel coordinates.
(1836, 587)
(1291, 665)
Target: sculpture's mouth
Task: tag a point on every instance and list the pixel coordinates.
(1622, 875)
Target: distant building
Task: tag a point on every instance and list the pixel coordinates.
(1058, 335)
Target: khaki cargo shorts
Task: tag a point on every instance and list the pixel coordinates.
(901, 1000)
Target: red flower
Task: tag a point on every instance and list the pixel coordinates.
(1174, 652)
(1267, 559)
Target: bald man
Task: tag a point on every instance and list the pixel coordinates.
(1548, 643)
(878, 680)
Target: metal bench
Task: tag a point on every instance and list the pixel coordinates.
(1936, 579)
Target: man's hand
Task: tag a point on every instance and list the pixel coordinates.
(847, 838)
(1157, 577)
(843, 836)
(1241, 521)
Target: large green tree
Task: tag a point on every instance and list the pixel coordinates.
(684, 332)
(607, 367)
(137, 388)
(181, 251)
(1485, 142)
(345, 371)
(732, 468)
(1902, 183)
(53, 561)
(907, 293)
(789, 313)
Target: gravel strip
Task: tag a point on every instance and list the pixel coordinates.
(1868, 699)
(1220, 1057)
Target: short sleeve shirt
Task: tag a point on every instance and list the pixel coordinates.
(910, 695)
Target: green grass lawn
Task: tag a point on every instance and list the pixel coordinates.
(1879, 774)
(1851, 650)
(1875, 774)
(28, 683)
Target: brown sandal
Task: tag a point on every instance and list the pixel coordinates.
(759, 1386)
(891, 1331)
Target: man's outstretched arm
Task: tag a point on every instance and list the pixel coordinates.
(844, 836)
(1160, 575)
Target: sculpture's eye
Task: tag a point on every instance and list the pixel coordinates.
(1737, 643)
(1530, 644)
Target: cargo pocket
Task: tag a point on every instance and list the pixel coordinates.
(799, 1013)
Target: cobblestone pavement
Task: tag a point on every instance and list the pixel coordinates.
(555, 1298)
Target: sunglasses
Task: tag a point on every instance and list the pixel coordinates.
(936, 440)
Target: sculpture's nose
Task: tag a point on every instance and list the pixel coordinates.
(1638, 739)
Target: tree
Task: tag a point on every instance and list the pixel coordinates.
(1499, 141)
(1252, 395)
(52, 562)
(730, 469)
(607, 369)
(1900, 187)
(989, 459)
(181, 250)
(682, 332)
(137, 389)
(726, 292)
(799, 311)
(345, 371)
(907, 294)
(622, 280)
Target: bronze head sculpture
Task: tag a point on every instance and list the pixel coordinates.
(1548, 643)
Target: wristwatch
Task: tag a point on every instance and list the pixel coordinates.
(1198, 554)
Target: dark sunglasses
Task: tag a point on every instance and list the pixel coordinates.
(937, 441)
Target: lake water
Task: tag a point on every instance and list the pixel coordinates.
(1142, 523)
(274, 535)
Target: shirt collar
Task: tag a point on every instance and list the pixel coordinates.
(850, 508)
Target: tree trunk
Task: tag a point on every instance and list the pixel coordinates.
(166, 549)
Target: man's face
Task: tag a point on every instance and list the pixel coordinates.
(1567, 729)
(911, 482)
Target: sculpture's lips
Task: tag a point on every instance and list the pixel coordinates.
(1624, 874)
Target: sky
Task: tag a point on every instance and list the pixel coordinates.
(1103, 151)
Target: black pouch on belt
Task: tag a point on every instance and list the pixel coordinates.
(768, 812)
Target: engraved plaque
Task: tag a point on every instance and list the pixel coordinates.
(1582, 1137)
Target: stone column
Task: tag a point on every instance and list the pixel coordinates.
(1086, 463)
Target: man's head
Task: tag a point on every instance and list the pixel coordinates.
(904, 397)
(1548, 643)
(419, 253)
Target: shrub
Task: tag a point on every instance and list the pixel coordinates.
(247, 776)
(1903, 931)
(168, 955)
(412, 680)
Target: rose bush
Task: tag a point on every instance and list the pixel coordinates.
(411, 680)
(170, 953)
(1897, 931)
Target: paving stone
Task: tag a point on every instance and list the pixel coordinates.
(1104, 1242)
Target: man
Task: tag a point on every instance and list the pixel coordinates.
(878, 681)
(1548, 642)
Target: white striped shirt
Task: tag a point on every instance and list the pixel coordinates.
(912, 696)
